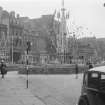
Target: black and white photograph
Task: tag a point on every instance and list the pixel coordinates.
(52, 52)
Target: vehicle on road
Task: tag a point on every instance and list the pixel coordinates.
(93, 87)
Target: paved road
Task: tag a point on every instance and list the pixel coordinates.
(55, 89)
(13, 92)
(43, 89)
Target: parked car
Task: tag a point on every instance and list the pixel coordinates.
(93, 87)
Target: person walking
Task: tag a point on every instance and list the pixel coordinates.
(3, 69)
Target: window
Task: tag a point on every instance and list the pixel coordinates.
(94, 75)
(93, 80)
(103, 76)
(102, 82)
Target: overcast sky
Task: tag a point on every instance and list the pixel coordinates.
(87, 13)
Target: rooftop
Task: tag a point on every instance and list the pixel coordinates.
(100, 69)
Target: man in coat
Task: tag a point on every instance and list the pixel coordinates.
(76, 70)
(3, 68)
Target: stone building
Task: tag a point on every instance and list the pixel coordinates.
(3, 36)
(13, 34)
(38, 53)
(18, 30)
(81, 50)
(37, 31)
(86, 51)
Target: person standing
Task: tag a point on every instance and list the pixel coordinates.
(90, 65)
(3, 68)
(76, 70)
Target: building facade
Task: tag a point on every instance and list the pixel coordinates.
(38, 53)
(13, 33)
(3, 43)
(18, 30)
(3, 36)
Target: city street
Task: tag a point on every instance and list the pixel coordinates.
(47, 89)
(55, 89)
(44, 44)
(14, 92)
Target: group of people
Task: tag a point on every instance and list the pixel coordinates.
(3, 68)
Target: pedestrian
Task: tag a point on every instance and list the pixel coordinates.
(76, 70)
(3, 69)
(90, 65)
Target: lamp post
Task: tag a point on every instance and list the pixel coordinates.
(29, 44)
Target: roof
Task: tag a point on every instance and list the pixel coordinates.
(100, 69)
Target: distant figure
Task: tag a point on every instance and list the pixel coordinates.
(76, 70)
(90, 65)
(3, 68)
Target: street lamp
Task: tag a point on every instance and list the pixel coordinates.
(28, 48)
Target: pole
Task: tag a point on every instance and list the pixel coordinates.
(27, 70)
(27, 75)
(27, 50)
(12, 49)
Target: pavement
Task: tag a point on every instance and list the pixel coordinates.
(55, 89)
(14, 92)
(43, 89)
